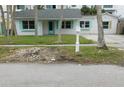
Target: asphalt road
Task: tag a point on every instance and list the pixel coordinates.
(51, 75)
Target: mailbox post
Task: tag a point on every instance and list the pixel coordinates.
(77, 45)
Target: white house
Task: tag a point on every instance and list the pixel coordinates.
(49, 22)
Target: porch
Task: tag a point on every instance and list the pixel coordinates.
(52, 27)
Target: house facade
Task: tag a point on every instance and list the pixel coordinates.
(49, 20)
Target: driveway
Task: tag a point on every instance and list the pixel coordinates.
(111, 40)
(61, 75)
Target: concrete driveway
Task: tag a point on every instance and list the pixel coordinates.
(111, 40)
(51, 75)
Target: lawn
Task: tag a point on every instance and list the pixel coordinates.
(66, 39)
(92, 55)
(87, 55)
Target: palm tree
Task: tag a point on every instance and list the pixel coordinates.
(101, 41)
(60, 25)
(36, 19)
(3, 21)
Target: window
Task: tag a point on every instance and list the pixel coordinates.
(105, 25)
(108, 6)
(20, 6)
(84, 24)
(51, 6)
(54, 6)
(48, 6)
(73, 5)
(67, 24)
(28, 24)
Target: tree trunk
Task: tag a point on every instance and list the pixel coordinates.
(11, 13)
(8, 12)
(60, 25)
(101, 42)
(3, 21)
(36, 19)
(13, 26)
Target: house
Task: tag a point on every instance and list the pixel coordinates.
(49, 22)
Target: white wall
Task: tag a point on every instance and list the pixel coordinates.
(94, 26)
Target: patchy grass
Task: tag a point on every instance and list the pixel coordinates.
(87, 55)
(4, 51)
(35, 40)
(92, 55)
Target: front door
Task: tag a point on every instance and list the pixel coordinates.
(51, 28)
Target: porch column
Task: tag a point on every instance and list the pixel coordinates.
(40, 28)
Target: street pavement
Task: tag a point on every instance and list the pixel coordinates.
(60, 75)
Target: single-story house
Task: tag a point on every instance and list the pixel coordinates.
(49, 22)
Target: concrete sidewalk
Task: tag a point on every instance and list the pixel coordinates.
(47, 45)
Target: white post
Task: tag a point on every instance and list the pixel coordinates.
(77, 46)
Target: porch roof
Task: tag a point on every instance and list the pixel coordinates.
(49, 14)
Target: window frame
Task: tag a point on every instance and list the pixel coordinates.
(29, 25)
(106, 26)
(65, 25)
(84, 25)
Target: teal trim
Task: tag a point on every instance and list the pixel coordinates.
(57, 24)
(72, 24)
(20, 25)
(30, 30)
(91, 24)
(84, 29)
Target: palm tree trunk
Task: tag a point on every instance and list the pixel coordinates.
(3, 21)
(60, 25)
(36, 19)
(101, 41)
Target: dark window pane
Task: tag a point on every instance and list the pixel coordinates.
(81, 24)
(105, 25)
(20, 6)
(54, 6)
(31, 25)
(25, 24)
(87, 22)
(63, 24)
(68, 24)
